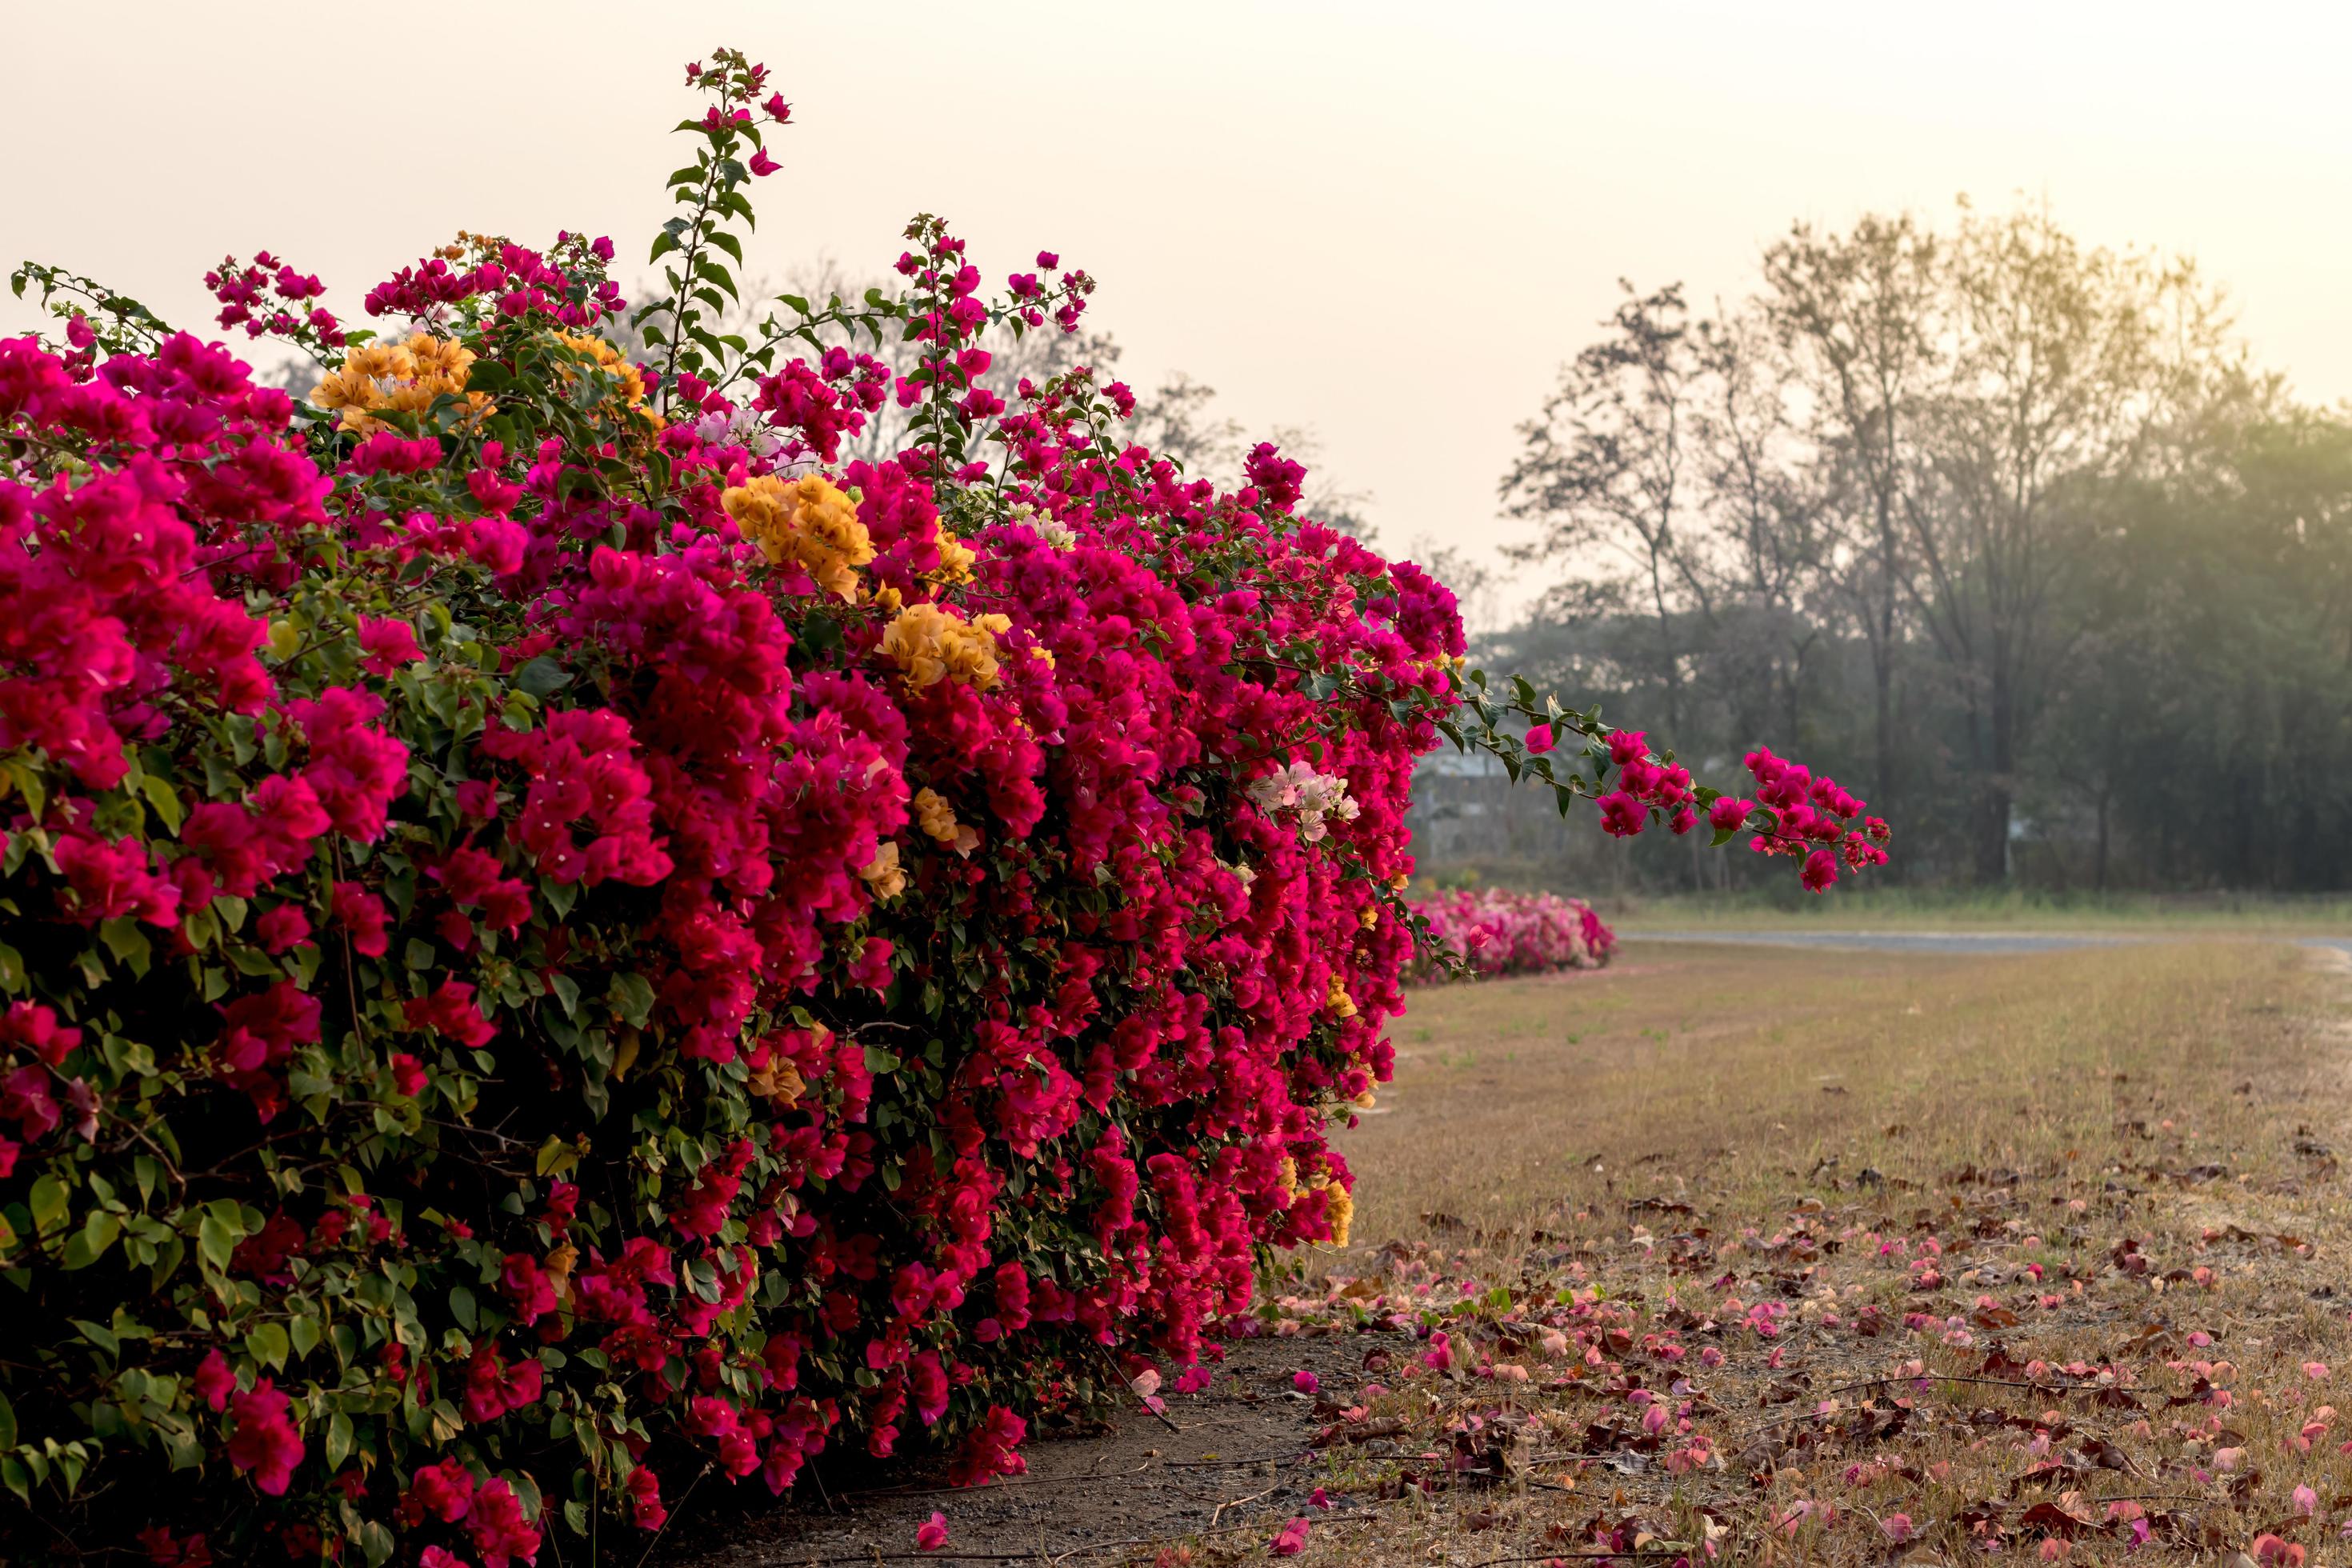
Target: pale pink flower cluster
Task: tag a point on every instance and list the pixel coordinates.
(1308, 796)
(1496, 932)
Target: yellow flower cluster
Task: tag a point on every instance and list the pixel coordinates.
(780, 1081)
(931, 646)
(1339, 1204)
(402, 377)
(937, 818)
(809, 521)
(610, 359)
(1338, 1001)
(884, 875)
(956, 559)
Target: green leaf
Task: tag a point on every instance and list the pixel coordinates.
(48, 1202)
(664, 243)
(728, 243)
(461, 1307)
(8, 1423)
(88, 1244)
(339, 1439)
(268, 1344)
(215, 1241)
(632, 996)
(129, 945)
(166, 798)
(542, 676)
(879, 1062)
(27, 781)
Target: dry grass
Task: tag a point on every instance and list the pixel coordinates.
(2037, 1180)
(1739, 1070)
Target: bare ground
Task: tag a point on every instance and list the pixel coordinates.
(1241, 1448)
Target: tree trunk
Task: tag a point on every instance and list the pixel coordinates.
(2100, 874)
(1994, 792)
(1881, 788)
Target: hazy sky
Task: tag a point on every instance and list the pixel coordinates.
(1387, 223)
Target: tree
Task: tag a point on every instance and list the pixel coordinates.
(2060, 373)
(1608, 464)
(2000, 524)
(1857, 316)
(1769, 509)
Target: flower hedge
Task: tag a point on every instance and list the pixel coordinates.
(558, 942)
(1491, 932)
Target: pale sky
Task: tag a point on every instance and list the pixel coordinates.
(1390, 223)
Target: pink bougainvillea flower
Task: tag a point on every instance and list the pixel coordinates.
(387, 644)
(1305, 1382)
(1623, 814)
(1291, 1540)
(262, 1440)
(215, 1382)
(646, 1509)
(932, 1535)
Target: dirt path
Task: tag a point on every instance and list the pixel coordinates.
(1241, 1449)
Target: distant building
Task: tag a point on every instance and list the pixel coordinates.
(1468, 821)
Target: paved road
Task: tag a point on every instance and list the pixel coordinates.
(1960, 941)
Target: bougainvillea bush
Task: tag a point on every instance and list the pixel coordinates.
(1486, 933)
(559, 944)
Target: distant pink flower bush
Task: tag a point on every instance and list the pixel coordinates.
(1494, 933)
